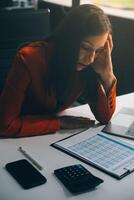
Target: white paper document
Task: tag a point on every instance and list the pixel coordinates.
(101, 150)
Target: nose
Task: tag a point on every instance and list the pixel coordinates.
(90, 58)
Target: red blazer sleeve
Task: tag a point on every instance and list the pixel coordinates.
(11, 99)
(105, 106)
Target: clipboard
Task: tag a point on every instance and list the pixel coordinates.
(113, 156)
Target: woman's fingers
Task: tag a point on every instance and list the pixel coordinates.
(110, 41)
(108, 45)
(72, 122)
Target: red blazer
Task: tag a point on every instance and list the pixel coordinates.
(26, 109)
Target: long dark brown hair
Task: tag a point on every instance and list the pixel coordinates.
(82, 21)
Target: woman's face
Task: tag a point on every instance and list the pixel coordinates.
(89, 49)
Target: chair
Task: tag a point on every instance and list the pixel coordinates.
(18, 27)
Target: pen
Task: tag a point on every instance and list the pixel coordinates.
(34, 162)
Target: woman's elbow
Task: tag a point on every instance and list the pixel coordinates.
(104, 119)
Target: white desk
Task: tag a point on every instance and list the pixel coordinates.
(51, 158)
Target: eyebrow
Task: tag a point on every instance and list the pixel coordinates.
(91, 45)
(87, 42)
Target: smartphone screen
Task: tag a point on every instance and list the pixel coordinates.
(25, 173)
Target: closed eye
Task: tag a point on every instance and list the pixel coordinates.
(86, 48)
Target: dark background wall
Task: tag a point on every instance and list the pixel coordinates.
(123, 53)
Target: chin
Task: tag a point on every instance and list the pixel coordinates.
(80, 67)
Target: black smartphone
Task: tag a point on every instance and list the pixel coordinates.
(25, 173)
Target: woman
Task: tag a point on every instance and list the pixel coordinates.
(48, 76)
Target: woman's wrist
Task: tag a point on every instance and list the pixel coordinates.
(107, 81)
